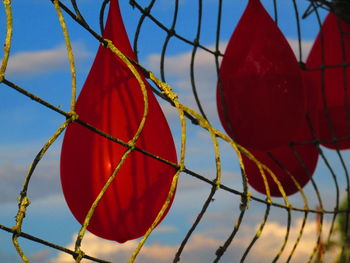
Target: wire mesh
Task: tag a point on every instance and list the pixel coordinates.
(321, 204)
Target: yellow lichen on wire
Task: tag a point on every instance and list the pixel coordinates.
(24, 202)
(69, 52)
(167, 90)
(181, 167)
(131, 144)
(22, 207)
(239, 149)
(140, 81)
(8, 38)
(94, 205)
(23, 199)
(206, 125)
(262, 168)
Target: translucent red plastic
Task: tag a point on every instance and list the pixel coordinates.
(260, 99)
(111, 100)
(284, 161)
(332, 49)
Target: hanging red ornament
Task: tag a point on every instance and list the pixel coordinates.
(331, 50)
(260, 98)
(111, 100)
(284, 161)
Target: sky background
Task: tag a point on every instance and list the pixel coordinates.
(39, 64)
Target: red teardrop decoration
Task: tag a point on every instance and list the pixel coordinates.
(282, 161)
(261, 100)
(111, 100)
(335, 48)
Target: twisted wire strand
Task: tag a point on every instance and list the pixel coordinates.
(193, 56)
(170, 33)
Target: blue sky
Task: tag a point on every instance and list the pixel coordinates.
(39, 64)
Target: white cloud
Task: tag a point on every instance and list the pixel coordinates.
(42, 61)
(156, 252)
(272, 238)
(202, 246)
(163, 229)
